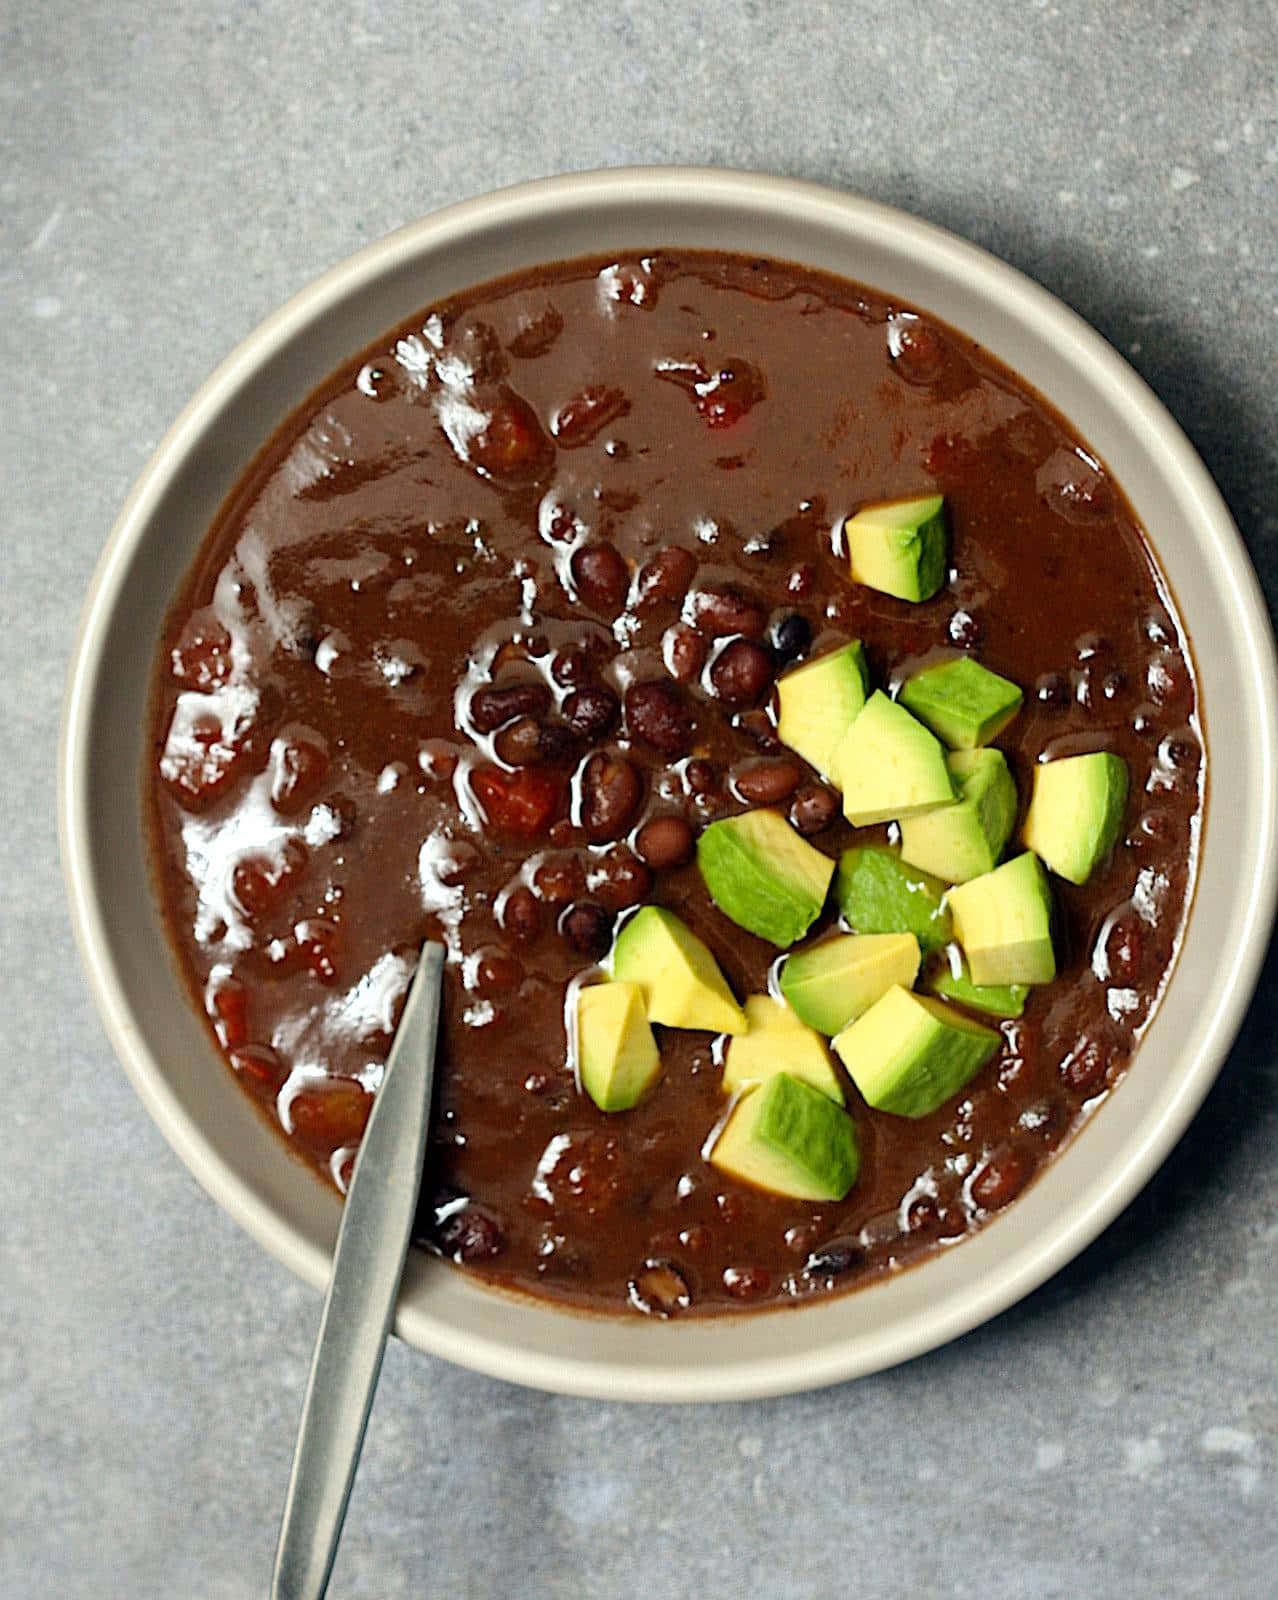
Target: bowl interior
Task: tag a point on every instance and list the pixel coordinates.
(162, 1042)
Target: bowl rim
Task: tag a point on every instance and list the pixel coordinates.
(766, 195)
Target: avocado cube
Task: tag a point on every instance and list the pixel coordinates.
(964, 840)
(764, 875)
(953, 981)
(877, 892)
(898, 546)
(820, 702)
(680, 980)
(909, 1055)
(778, 1042)
(889, 766)
(1003, 920)
(1076, 812)
(617, 1056)
(789, 1138)
(832, 983)
(963, 703)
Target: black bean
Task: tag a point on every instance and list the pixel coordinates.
(490, 708)
(766, 783)
(834, 1259)
(659, 715)
(591, 712)
(684, 652)
(621, 880)
(521, 914)
(659, 1290)
(717, 612)
(741, 674)
(665, 842)
(601, 577)
(965, 630)
(587, 927)
(791, 637)
(667, 575)
(1002, 1176)
(469, 1235)
(813, 809)
(611, 790)
(1052, 691)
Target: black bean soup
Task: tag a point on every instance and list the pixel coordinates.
(487, 637)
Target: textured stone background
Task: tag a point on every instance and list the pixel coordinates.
(169, 174)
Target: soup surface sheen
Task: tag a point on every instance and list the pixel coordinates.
(391, 705)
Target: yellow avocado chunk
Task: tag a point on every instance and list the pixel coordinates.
(820, 701)
(832, 983)
(617, 1056)
(889, 766)
(1003, 920)
(909, 1054)
(681, 982)
(778, 1042)
(789, 1138)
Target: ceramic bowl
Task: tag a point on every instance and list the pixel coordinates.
(163, 1043)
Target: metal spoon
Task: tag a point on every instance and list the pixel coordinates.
(367, 1263)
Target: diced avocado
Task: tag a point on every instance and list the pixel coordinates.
(831, 984)
(963, 703)
(1076, 811)
(953, 980)
(778, 1042)
(1003, 920)
(889, 766)
(878, 893)
(820, 702)
(962, 841)
(681, 982)
(898, 546)
(764, 875)
(617, 1057)
(789, 1138)
(909, 1054)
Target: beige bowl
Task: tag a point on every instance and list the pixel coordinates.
(163, 1043)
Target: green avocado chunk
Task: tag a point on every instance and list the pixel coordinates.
(909, 1054)
(889, 766)
(790, 1139)
(680, 980)
(1003, 920)
(833, 982)
(963, 703)
(820, 701)
(879, 893)
(898, 546)
(617, 1056)
(1076, 811)
(952, 979)
(778, 1042)
(764, 875)
(962, 841)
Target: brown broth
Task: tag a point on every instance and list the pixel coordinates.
(410, 538)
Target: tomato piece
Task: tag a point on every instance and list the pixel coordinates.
(327, 1115)
(524, 803)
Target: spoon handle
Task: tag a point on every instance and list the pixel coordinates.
(367, 1263)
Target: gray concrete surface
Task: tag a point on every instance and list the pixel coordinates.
(168, 175)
